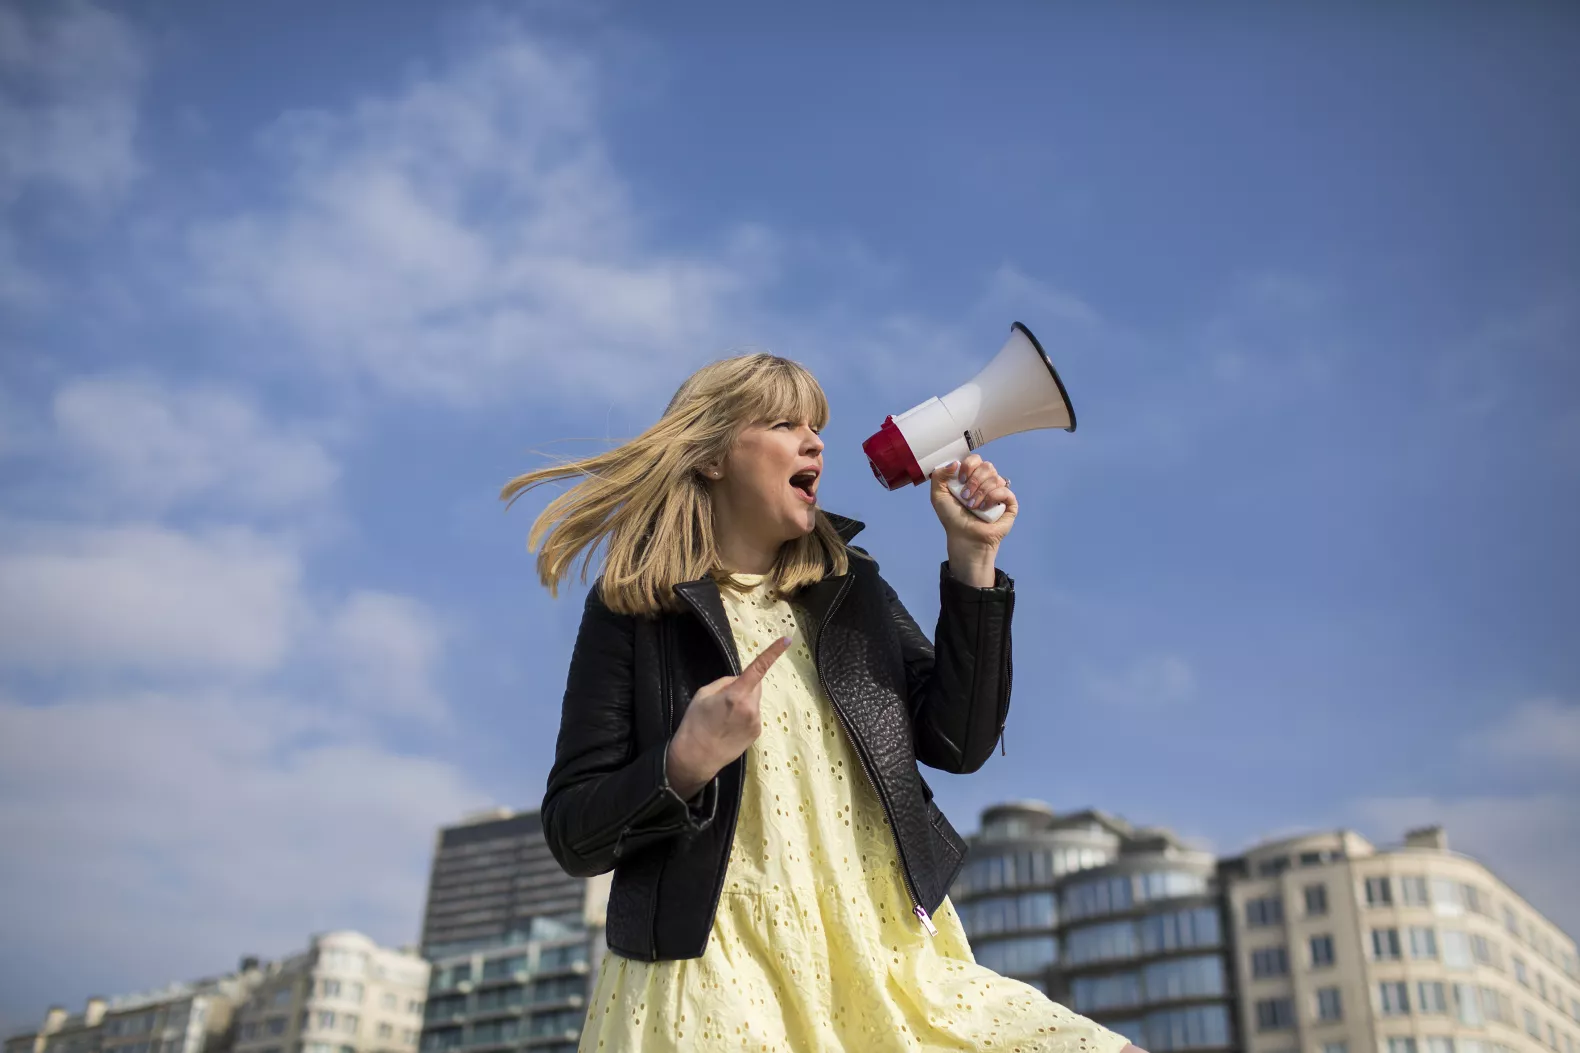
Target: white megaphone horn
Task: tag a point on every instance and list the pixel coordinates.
(1018, 391)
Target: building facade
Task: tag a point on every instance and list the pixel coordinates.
(343, 994)
(492, 875)
(1345, 948)
(1123, 925)
(193, 1017)
(514, 940)
(529, 995)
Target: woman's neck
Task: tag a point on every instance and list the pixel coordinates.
(744, 555)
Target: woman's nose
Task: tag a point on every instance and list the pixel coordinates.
(813, 443)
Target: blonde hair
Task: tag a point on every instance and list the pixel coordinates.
(646, 502)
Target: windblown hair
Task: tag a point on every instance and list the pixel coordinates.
(647, 503)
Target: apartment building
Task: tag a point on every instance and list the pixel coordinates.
(1341, 947)
(343, 994)
(192, 1017)
(1122, 924)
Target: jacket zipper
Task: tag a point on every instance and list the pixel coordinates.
(861, 756)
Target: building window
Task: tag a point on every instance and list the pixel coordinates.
(349, 1022)
(1423, 941)
(329, 988)
(326, 1019)
(1180, 930)
(1494, 1004)
(1269, 910)
(414, 1005)
(1379, 892)
(1393, 998)
(1330, 1005)
(389, 1001)
(1511, 921)
(1439, 1044)
(1316, 900)
(1090, 994)
(275, 1025)
(1519, 970)
(1474, 900)
(1467, 1007)
(1097, 943)
(281, 997)
(1532, 1028)
(1481, 948)
(1199, 977)
(1385, 945)
(1321, 951)
(385, 1031)
(1430, 997)
(1028, 954)
(1029, 910)
(1270, 961)
(1179, 1029)
(1335, 1047)
(1275, 1014)
(1401, 1045)
(1412, 890)
(1272, 867)
(1456, 950)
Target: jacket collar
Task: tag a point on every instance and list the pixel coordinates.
(702, 595)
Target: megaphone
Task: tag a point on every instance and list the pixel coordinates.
(1018, 391)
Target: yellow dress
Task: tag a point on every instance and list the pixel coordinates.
(814, 947)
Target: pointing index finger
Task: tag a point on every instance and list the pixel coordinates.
(753, 674)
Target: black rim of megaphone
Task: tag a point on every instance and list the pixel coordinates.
(1051, 372)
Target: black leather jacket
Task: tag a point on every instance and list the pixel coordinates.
(609, 804)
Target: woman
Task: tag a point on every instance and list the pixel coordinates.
(745, 710)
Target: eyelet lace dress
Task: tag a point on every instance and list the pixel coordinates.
(814, 947)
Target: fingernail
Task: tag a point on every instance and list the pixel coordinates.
(786, 640)
(965, 495)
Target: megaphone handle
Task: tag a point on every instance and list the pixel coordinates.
(988, 514)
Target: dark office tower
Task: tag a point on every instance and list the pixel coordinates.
(514, 941)
(492, 875)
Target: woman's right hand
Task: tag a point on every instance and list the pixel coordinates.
(723, 719)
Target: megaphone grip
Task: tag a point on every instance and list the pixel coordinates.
(988, 514)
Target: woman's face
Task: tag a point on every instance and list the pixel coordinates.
(768, 483)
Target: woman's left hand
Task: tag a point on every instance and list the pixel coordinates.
(984, 487)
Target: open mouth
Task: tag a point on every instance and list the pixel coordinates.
(805, 484)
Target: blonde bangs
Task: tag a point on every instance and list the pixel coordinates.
(784, 390)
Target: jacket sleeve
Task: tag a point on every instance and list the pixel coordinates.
(958, 682)
(604, 798)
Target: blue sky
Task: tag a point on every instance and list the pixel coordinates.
(288, 293)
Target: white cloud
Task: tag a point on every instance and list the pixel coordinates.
(466, 238)
(146, 597)
(1531, 841)
(1151, 681)
(153, 446)
(168, 832)
(1540, 732)
(386, 648)
(70, 74)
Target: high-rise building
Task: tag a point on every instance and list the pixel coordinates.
(343, 994)
(513, 939)
(1345, 948)
(1124, 925)
(492, 874)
